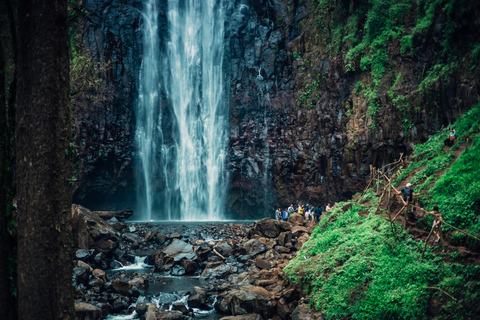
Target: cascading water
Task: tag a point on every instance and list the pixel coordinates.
(149, 132)
(183, 174)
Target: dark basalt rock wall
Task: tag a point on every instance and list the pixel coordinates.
(280, 151)
(283, 152)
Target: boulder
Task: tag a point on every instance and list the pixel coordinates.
(268, 228)
(141, 308)
(119, 215)
(82, 254)
(86, 311)
(173, 254)
(249, 316)
(190, 266)
(246, 299)
(253, 247)
(304, 312)
(178, 250)
(298, 230)
(161, 238)
(180, 306)
(92, 232)
(285, 226)
(149, 235)
(218, 272)
(283, 310)
(296, 219)
(197, 299)
(262, 264)
(225, 247)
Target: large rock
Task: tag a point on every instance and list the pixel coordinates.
(304, 312)
(218, 272)
(173, 254)
(92, 232)
(225, 247)
(197, 299)
(296, 219)
(249, 316)
(253, 247)
(86, 311)
(246, 299)
(268, 228)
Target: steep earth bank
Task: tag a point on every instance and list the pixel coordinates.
(309, 113)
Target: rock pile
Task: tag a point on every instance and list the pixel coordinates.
(240, 264)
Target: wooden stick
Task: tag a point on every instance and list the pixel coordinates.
(218, 254)
(398, 213)
(442, 291)
(425, 246)
(468, 234)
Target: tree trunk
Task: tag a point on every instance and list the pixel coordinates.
(43, 162)
(6, 298)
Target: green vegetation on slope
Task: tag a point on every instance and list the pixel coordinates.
(457, 191)
(354, 266)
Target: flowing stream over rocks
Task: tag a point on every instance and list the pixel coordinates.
(185, 271)
(182, 169)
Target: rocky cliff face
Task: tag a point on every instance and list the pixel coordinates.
(303, 131)
(302, 122)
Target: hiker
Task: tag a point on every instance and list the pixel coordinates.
(451, 138)
(318, 213)
(328, 207)
(437, 224)
(301, 209)
(278, 214)
(285, 215)
(408, 194)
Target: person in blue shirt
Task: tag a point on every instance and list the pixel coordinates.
(451, 138)
(408, 194)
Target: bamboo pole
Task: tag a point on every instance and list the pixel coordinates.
(426, 241)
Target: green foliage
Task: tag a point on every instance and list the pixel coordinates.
(352, 268)
(406, 44)
(306, 100)
(296, 55)
(457, 191)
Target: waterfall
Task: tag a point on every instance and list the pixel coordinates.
(182, 169)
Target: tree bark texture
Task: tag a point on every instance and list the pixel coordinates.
(43, 162)
(7, 159)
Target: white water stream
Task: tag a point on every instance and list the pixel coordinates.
(181, 173)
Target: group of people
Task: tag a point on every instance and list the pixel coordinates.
(310, 213)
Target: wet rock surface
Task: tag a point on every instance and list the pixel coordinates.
(280, 150)
(238, 268)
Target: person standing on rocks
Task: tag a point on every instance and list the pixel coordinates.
(278, 214)
(285, 215)
(318, 213)
(301, 209)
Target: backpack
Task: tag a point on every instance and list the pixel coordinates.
(407, 192)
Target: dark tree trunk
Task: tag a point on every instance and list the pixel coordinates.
(7, 161)
(43, 162)
(6, 299)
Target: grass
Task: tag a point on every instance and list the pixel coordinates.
(352, 267)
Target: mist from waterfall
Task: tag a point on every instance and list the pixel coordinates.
(183, 170)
